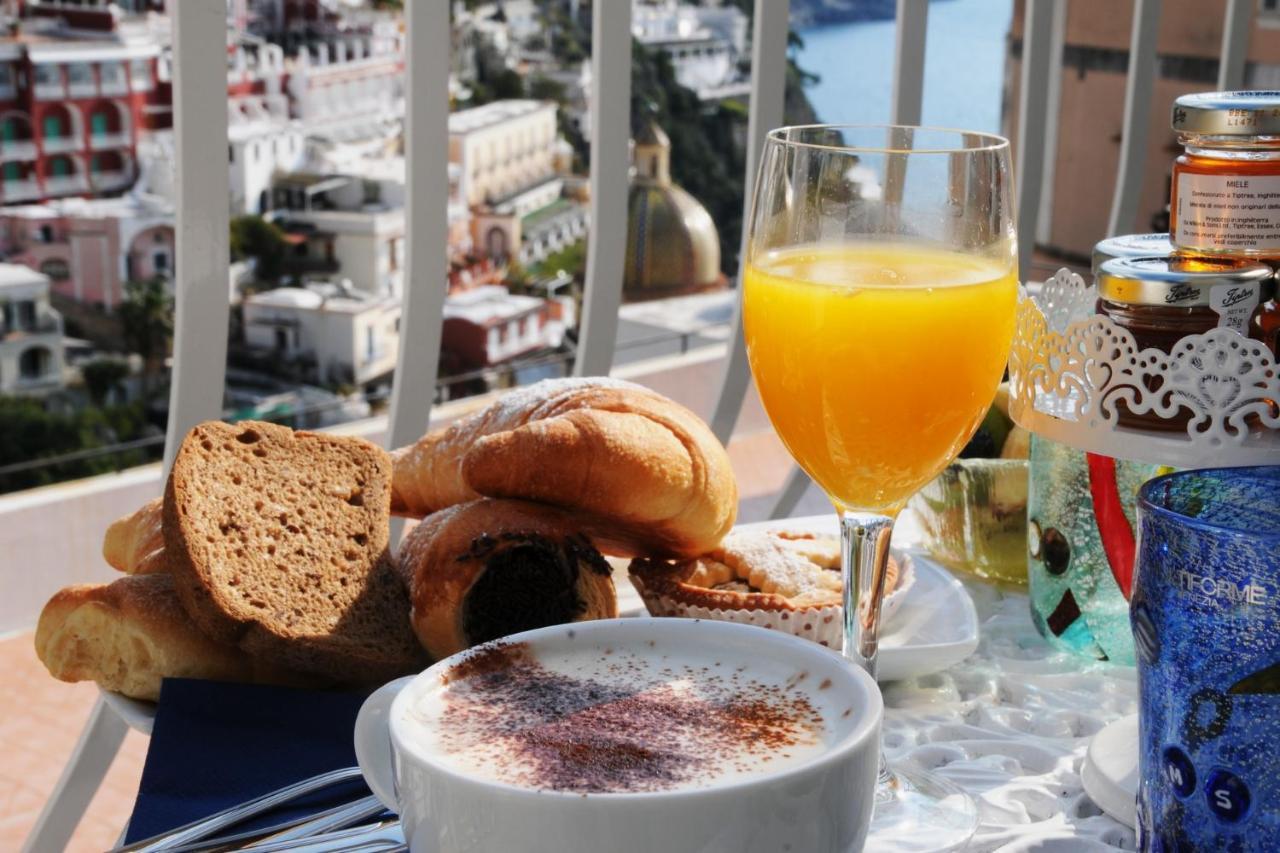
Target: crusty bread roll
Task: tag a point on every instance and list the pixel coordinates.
(129, 634)
(277, 542)
(644, 475)
(482, 570)
(135, 544)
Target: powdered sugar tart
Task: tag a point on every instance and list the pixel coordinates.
(782, 578)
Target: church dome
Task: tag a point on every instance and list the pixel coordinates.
(672, 243)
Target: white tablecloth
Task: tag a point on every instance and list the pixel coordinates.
(1011, 725)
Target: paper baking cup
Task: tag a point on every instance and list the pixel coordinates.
(822, 625)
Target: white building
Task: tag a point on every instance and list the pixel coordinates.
(351, 81)
(509, 157)
(342, 334)
(489, 325)
(349, 225)
(503, 149)
(704, 43)
(260, 143)
(31, 353)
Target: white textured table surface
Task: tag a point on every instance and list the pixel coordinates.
(1011, 725)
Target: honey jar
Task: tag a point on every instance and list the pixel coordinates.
(1160, 300)
(1226, 184)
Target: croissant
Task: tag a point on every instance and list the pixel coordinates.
(482, 570)
(130, 634)
(643, 474)
(135, 544)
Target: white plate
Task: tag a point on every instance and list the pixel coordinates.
(137, 714)
(1110, 770)
(932, 627)
(927, 629)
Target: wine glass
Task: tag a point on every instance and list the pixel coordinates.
(879, 294)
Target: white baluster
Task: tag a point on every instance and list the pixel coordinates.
(610, 134)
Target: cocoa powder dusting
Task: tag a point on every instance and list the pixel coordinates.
(634, 729)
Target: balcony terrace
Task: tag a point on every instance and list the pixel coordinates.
(53, 534)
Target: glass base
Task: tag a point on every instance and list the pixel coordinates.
(918, 812)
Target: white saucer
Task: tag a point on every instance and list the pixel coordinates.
(931, 627)
(1110, 770)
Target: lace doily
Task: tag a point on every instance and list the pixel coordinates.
(1011, 725)
(1070, 369)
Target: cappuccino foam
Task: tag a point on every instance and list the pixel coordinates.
(604, 720)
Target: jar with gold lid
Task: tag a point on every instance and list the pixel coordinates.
(1226, 185)
(1161, 300)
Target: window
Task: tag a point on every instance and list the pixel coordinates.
(53, 127)
(59, 167)
(160, 261)
(111, 74)
(140, 74)
(46, 233)
(34, 363)
(98, 124)
(80, 75)
(48, 75)
(12, 172)
(231, 154)
(9, 130)
(369, 347)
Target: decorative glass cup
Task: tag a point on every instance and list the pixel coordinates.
(1082, 513)
(879, 290)
(1206, 625)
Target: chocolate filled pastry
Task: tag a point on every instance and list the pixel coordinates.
(489, 568)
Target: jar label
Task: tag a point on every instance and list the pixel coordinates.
(1223, 213)
(1235, 304)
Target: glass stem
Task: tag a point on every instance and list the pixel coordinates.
(864, 558)
(864, 554)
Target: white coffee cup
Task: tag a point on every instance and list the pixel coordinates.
(819, 806)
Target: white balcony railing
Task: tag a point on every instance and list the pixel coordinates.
(61, 144)
(50, 91)
(82, 89)
(17, 149)
(111, 88)
(66, 184)
(20, 191)
(107, 141)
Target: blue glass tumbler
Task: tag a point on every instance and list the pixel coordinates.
(1206, 623)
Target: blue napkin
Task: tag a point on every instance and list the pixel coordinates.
(216, 745)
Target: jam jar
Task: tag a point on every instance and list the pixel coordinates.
(1226, 185)
(1160, 300)
(1130, 246)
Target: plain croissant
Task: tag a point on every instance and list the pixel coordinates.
(134, 544)
(645, 475)
(132, 633)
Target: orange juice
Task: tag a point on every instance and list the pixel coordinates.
(876, 362)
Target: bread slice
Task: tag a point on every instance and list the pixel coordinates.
(277, 542)
(130, 634)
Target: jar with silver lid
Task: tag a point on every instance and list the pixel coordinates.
(1130, 246)
(1226, 184)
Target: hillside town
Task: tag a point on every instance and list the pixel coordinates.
(316, 190)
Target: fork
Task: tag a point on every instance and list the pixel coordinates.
(210, 826)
